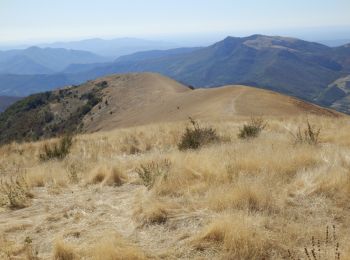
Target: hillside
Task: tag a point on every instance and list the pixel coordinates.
(285, 65)
(36, 60)
(112, 48)
(137, 99)
(130, 193)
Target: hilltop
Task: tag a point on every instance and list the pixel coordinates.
(137, 99)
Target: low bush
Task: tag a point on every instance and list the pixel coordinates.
(16, 191)
(252, 129)
(309, 135)
(58, 150)
(149, 172)
(197, 136)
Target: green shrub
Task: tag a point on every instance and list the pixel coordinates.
(57, 150)
(252, 129)
(197, 136)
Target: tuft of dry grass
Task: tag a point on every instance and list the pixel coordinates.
(116, 248)
(109, 176)
(64, 251)
(251, 196)
(57, 150)
(237, 236)
(150, 210)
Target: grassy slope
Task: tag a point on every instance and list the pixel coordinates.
(234, 200)
(136, 99)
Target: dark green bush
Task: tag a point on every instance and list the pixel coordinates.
(58, 150)
(197, 136)
(252, 129)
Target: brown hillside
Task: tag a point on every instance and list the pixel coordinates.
(143, 98)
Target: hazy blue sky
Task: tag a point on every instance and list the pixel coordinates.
(23, 20)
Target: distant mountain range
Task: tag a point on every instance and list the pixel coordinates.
(35, 60)
(307, 70)
(112, 48)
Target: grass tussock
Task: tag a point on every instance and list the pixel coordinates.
(152, 211)
(107, 176)
(253, 197)
(57, 150)
(64, 251)
(116, 248)
(236, 236)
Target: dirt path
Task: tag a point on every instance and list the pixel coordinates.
(233, 107)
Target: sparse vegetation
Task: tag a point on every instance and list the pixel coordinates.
(64, 251)
(110, 176)
(231, 200)
(114, 247)
(57, 150)
(322, 248)
(36, 113)
(197, 136)
(309, 135)
(16, 191)
(236, 237)
(150, 172)
(252, 129)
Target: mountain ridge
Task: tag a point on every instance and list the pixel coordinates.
(35, 60)
(283, 64)
(125, 100)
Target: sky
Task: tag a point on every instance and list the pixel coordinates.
(50, 20)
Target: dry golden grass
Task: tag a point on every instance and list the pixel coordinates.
(237, 199)
(150, 210)
(110, 176)
(64, 251)
(116, 248)
(237, 236)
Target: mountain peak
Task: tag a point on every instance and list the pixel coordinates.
(33, 48)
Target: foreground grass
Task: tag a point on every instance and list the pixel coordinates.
(264, 197)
